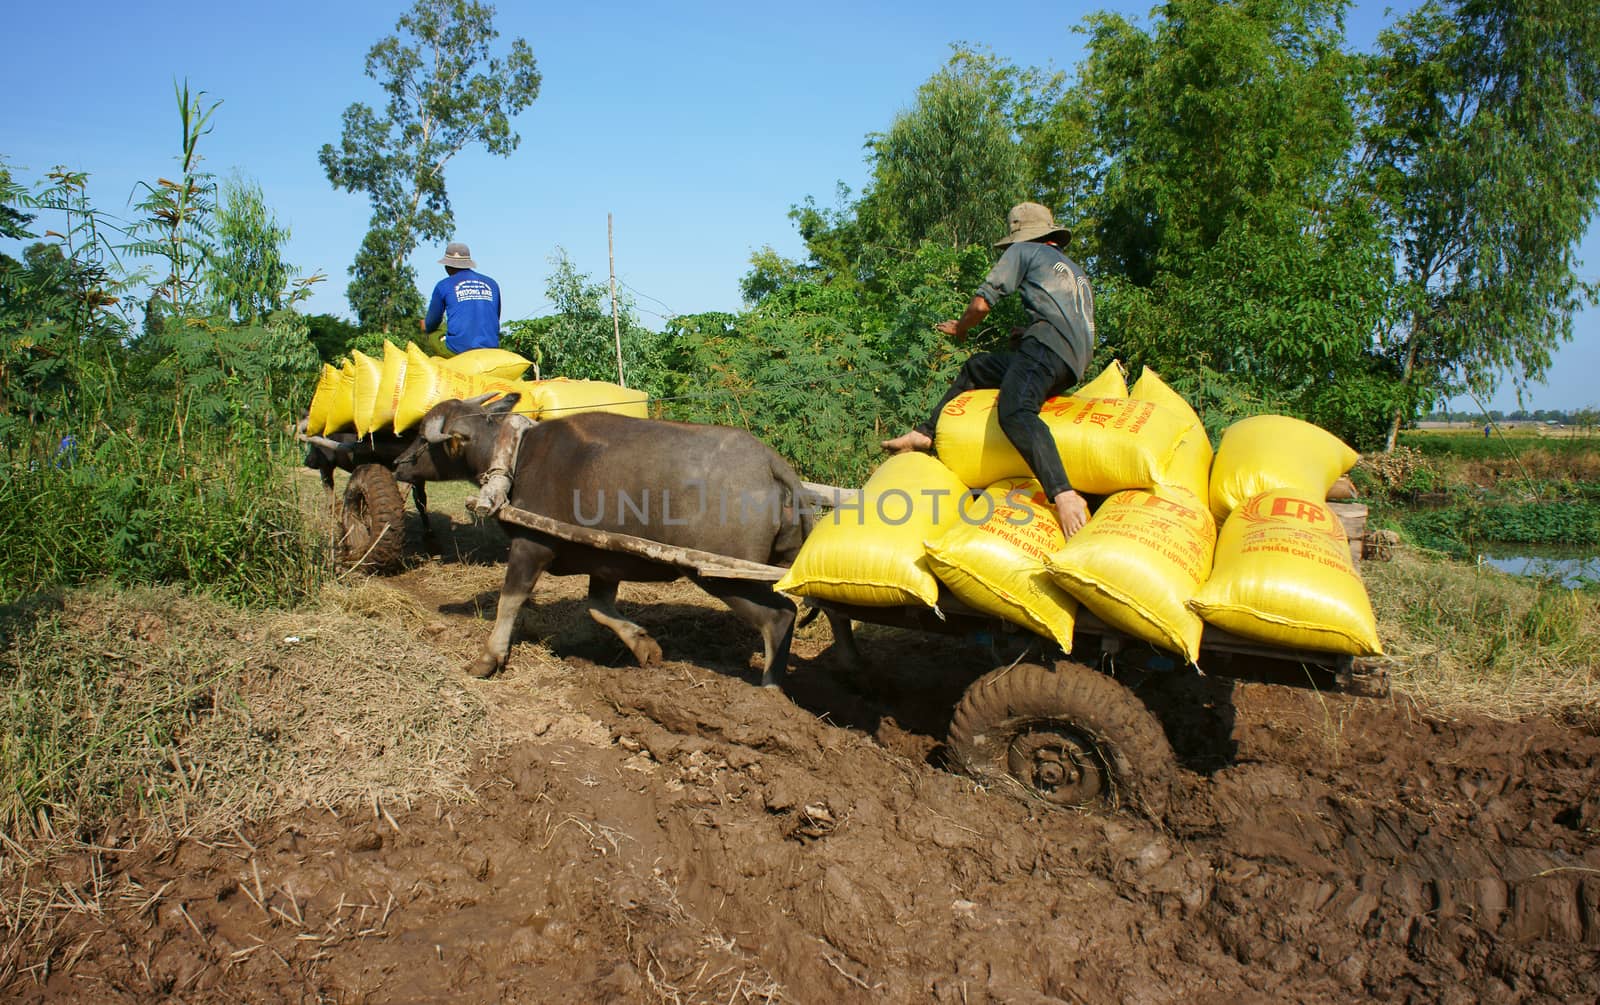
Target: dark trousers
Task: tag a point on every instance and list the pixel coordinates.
(1025, 379)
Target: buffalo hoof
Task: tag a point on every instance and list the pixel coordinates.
(481, 667)
(647, 651)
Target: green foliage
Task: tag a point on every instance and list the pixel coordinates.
(383, 285)
(1485, 147)
(820, 372)
(579, 341)
(331, 336)
(247, 278)
(947, 169)
(176, 226)
(1220, 116)
(154, 458)
(1457, 529)
(213, 509)
(60, 332)
(1234, 249)
(1477, 447)
(445, 92)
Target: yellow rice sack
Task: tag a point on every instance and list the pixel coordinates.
(993, 559)
(1106, 444)
(559, 397)
(317, 414)
(1283, 575)
(871, 553)
(367, 388)
(1112, 382)
(1139, 562)
(426, 383)
(341, 413)
(1190, 467)
(1268, 452)
(501, 364)
(391, 380)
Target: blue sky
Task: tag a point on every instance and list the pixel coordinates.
(696, 124)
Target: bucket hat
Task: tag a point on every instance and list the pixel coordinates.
(459, 256)
(1029, 221)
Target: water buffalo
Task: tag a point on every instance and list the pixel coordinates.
(710, 488)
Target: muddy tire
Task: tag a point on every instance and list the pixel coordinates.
(372, 521)
(1068, 736)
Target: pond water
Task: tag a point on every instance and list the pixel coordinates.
(1569, 567)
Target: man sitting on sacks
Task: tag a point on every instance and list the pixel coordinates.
(1052, 356)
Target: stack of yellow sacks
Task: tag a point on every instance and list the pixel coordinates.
(370, 395)
(1150, 562)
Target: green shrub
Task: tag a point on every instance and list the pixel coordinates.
(1457, 529)
(211, 509)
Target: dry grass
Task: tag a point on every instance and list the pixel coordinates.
(1460, 635)
(150, 700)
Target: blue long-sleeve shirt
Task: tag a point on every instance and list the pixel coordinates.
(471, 302)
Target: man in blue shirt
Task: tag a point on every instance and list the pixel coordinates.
(1052, 356)
(470, 301)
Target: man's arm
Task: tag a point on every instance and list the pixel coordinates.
(1002, 279)
(976, 311)
(435, 310)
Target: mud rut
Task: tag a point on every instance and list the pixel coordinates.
(681, 835)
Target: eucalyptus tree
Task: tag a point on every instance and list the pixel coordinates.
(1227, 234)
(948, 167)
(1485, 146)
(446, 91)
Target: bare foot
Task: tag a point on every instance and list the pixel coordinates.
(1072, 511)
(914, 440)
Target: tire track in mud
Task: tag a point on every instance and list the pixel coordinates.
(678, 834)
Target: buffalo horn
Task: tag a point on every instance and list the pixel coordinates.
(433, 431)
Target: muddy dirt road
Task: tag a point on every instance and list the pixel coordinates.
(680, 835)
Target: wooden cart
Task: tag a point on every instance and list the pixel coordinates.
(369, 517)
(1055, 729)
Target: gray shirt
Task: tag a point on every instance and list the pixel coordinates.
(1053, 289)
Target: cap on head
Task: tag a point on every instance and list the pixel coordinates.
(1029, 221)
(457, 256)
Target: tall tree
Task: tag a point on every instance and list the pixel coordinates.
(1485, 144)
(247, 278)
(446, 92)
(949, 167)
(946, 170)
(1231, 247)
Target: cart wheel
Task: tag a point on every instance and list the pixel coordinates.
(1069, 736)
(372, 521)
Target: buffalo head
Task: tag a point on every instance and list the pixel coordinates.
(449, 438)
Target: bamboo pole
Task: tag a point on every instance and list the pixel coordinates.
(616, 326)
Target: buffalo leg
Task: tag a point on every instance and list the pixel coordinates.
(767, 611)
(603, 609)
(419, 495)
(524, 563)
(844, 640)
(325, 472)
